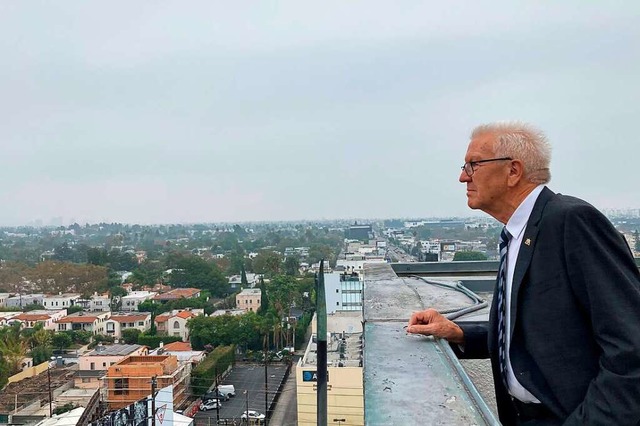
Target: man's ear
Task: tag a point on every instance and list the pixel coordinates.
(516, 172)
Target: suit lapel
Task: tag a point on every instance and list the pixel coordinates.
(526, 252)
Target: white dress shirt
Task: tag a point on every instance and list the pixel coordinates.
(516, 226)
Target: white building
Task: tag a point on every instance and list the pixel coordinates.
(22, 300)
(96, 303)
(119, 322)
(59, 301)
(174, 323)
(81, 321)
(131, 301)
(3, 299)
(46, 318)
(343, 292)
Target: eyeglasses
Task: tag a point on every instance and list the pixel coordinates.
(471, 166)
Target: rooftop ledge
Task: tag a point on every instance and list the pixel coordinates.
(412, 379)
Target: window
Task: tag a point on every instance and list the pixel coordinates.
(86, 380)
(104, 364)
(176, 324)
(337, 303)
(93, 366)
(140, 323)
(121, 386)
(132, 324)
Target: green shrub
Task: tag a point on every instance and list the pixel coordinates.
(203, 376)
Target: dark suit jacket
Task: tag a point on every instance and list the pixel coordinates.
(575, 328)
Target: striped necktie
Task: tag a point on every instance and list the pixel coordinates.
(502, 303)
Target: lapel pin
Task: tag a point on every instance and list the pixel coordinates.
(528, 241)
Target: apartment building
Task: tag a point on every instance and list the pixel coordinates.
(93, 323)
(118, 322)
(129, 380)
(249, 299)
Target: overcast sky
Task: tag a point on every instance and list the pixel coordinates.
(167, 112)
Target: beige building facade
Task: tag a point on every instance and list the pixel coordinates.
(345, 390)
(249, 299)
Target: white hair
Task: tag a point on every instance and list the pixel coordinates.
(520, 141)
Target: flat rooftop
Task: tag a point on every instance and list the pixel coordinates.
(114, 350)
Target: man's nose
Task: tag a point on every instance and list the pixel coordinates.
(464, 177)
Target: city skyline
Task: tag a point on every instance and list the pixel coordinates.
(227, 113)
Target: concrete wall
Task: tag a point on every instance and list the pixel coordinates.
(30, 372)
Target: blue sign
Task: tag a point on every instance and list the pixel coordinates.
(311, 376)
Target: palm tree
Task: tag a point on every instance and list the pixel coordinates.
(13, 350)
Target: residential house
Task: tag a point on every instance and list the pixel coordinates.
(59, 301)
(182, 350)
(6, 317)
(176, 294)
(96, 303)
(91, 322)
(93, 366)
(46, 318)
(131, 301)
(119, 322)
(22, 300)
(3, 299)
(130, 379)
(249, 299)
(235, 281)
(174, 323)
(233, 312)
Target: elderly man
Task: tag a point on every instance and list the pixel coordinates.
(564, 327)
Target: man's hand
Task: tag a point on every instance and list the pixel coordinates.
(432, 323)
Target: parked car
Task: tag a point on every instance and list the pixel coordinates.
(216, 395)
(252, 416)
(211, 404)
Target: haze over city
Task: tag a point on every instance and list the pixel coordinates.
(164, 112)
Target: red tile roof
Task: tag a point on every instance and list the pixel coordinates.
(129, 318)
(83, 319)
(186, 314)
(178, 293)
(178, 347)
(31, 317)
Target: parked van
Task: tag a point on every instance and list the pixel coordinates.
(227, 389)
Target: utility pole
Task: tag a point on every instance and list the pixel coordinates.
(266, 377)
(154, 384)
(321, 312)
(215, 371)
(246, 392)
(50, 396)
